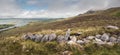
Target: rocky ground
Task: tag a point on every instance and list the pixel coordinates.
(99, 39)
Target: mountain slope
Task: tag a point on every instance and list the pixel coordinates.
(89, 24)
(103, 18)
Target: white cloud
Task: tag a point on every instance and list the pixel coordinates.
(44, 14)
(32, 2)
(8, 8)
(55, 8)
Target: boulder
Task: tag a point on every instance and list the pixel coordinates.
(80, 42)
(86, 41)
(45, 38)
(73, 38)
(99, 41)
(118, 40)
(30, 36)
(52, 36)
(112, 27)
(67, 35)
(105, 37)
(98, 36)
(60, 38)
(90, 37)
(110, 43)
(113, 39)
(25, 37)
(33, 37)
(38, 37)
(71, 42)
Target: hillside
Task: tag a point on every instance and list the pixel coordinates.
(91, 24)
(81, 21)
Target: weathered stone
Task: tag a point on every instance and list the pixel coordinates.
(113, 39)
(45, 38)
(86, 41)
(110, 43)
(96, 39)
(99, 41)
(105, 37)
(98, 36)
(33, 37)
(112, 27)
(73, 38)
(60, 38)
(38, 37)
(67, 36)
(25, 37)
(71, 42)
(90, 37)
(80, 42)
(52, 36)
(118, 40)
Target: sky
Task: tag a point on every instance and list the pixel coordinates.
(51, 8)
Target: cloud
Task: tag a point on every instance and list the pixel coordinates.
(8, 8)
(52, 8)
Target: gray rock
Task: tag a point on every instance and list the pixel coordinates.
(67, 35)
(52, 36)
(71, 42)
(86, 41)
(25, 37)
(38, 37)
(60, 38)
(113, 39)
(33, 37)
(80, 42)
(105, 37)
(45, 38)
(99, 41)
(98, 36)
(112, 27)
(90, 37)
(110, 43)
(118, 40)
(73, 38)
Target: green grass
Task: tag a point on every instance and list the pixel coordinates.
(117, 14)
(5, 26)
(15, 45)
(12, 44)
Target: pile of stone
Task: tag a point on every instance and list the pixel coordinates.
(72, 38)
(100, 39)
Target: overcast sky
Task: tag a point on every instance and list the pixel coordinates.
(51, 8)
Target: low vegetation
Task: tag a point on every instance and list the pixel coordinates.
(89, 24)
(5, 26)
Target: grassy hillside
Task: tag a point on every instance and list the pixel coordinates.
(81, 23)
(89, 24)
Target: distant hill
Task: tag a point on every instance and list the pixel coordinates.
(111, 11)
(92, 19)
(90, 24)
